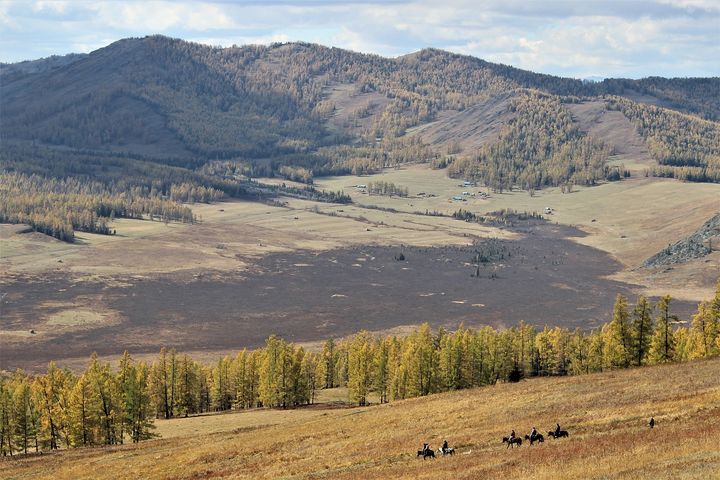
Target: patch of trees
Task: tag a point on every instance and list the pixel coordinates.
(381, 187)
(540, 147)
(686, 147)
(60, 207)
(100, 406)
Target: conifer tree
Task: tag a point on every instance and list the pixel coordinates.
(382, 368)
(617, 351)
(7, 445)
(330, 358)
(25, 419)
(704, 332)
(641, 330)
(662, 346)
(360, 367)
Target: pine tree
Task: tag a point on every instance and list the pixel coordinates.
(7, 445)
(704, 331)
(382, 368)
(82, 415)
(641, 330)
(25, 419)
(662, 346)
(360, 368)
(330, 358)
(47, 390)
(617, 350)
(187, 387)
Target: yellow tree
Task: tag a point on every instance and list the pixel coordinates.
(47, 395)
(616, 336)
(662, 345)
(704, 330)
(360, 367)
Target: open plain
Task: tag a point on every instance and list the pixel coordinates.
(241, 273)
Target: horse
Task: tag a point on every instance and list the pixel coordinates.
(512, 441)
(537, 438)
(426, 453)
(560, 434)
(447, 451)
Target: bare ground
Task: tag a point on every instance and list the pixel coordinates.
(542, 278)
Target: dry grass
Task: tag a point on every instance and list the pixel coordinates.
(606, 415)
(631, 220)
(229, 236)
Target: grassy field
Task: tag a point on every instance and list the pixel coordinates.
(631, 220)
(606, 415)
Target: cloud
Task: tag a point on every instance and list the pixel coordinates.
(571, 38)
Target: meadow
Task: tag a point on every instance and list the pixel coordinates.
(606, 415)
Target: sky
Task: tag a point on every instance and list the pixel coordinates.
(572, 38)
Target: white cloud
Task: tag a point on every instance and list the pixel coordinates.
(573, 38)
(162, 16)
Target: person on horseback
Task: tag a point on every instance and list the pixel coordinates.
(533, 434)
(425, 448)
(445, 447)
(512, 436)
(557, 430)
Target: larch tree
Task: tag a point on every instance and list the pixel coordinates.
(662, 345)
(25, 418)
(642, 326)
(704, 331)
(360, 367)
(617, 342)
(329, 359)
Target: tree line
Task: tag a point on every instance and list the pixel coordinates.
(541, 146)
(59, 207)
(686, 147)
(105, 406)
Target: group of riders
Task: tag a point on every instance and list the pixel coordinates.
(426, 450)
(534, 434)
(510, 440)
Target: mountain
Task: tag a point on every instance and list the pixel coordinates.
(155, 116)
(172, 100)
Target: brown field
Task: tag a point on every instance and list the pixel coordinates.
(631, 220)
(307, 270)
(305, 296)
(606, 415)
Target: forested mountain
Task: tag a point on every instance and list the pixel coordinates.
(159, 113)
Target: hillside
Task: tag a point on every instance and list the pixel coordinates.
(606, 415)
(182, 103)
(156, 118)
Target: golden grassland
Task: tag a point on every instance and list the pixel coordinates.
(631, 220)
(228, 237)
(606, 415)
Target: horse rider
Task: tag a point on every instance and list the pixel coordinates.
(557, 430)
(445, 447)
(425, 448)
(533, 434)
(512, 436)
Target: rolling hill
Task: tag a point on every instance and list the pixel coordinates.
(606, 415)
(186, 104)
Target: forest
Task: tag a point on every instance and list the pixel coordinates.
(540, 147)
(102, 405)
(685, 147)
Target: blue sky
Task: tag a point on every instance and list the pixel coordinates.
(576, 38)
